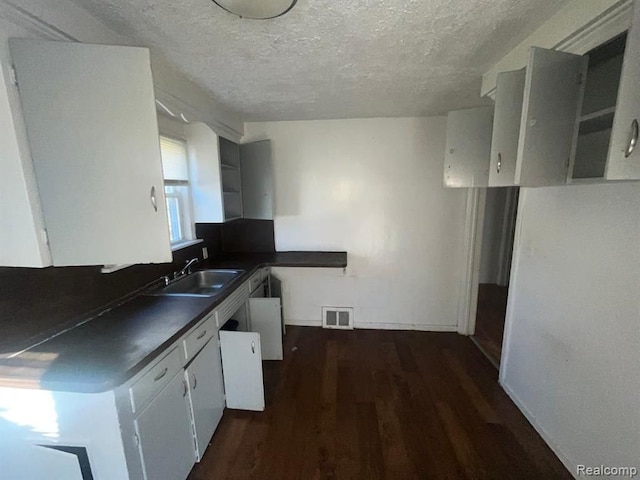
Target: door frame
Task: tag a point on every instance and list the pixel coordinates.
(468, 291)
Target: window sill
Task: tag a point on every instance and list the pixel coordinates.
(188, 243)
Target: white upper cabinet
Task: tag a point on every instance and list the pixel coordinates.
(92, 130)
(229, 181)
(552, 98)
(468, 147)
(506, 128)
(624, 154)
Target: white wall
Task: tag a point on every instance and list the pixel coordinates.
(572, 345)
(492, 234)
(373, 188)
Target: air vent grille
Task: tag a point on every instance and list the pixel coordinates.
(337, 317)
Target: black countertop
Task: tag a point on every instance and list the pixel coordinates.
(107, 350)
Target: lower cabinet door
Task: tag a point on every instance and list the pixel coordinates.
(266, 319)
(206, 394)
(242, 370)
(164, 431)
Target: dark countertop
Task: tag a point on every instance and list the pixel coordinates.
(106, 351)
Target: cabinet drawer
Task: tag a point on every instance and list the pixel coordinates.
(255, 280)
(199, 336)
(156, 377)
(232, 303)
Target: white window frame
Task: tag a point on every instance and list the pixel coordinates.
(185, 209)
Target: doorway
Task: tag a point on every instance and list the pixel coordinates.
(495, 266)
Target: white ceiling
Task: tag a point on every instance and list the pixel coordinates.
(330, 58)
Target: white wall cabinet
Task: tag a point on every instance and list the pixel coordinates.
(552, 97)
(164, 432)
(206, 394)
(468, 147)
(623, 161)
(506, 128)
(92, 130)
(229, 181)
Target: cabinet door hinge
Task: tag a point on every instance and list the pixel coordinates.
(580, 78)
(14, 76)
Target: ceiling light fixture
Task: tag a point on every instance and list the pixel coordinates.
(256, 9)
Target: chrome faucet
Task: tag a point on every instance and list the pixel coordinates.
(186, 269)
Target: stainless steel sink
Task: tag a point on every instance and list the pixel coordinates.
(203, 283)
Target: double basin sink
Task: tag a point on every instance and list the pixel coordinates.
(201, 283)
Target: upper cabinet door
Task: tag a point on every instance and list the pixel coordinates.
(91, 122)
(257, 180)
(624, 152)
(506, 128)
(554, 84)
(468, 150)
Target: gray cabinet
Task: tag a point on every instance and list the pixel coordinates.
(92, 130)
(257, 180)
(468, 147)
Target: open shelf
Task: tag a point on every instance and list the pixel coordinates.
(225, 166)
(596, 123)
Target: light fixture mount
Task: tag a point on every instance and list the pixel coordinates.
(256, 9)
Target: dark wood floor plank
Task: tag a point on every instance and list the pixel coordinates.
(379, 404)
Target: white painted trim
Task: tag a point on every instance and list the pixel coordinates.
(511, 300)
(506, 246)
(564, 458)
(468, 297)
(379, 326)
(303, 323)
(406, 326)
(577, 28)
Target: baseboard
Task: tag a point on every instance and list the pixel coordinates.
(569, 465)
(406, 326)
(303, 323)
(379, 326)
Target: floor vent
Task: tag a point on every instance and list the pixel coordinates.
(337, 317)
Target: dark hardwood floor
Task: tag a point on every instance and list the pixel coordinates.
(379, 404)
(492, 308)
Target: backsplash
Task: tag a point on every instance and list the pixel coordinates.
(37, 302)
(238, 236)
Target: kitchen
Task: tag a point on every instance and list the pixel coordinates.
(373, 188)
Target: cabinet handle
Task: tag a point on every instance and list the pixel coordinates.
(195, 381)
(153, 198)
(185, 388)
(161, 374)
(633, 139)
(204, 332)
(499, 166)
(253, 347)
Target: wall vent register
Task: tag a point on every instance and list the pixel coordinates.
(337, 317)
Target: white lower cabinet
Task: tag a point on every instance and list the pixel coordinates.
(164, 434)
(266, 319)
(206, 394)
(242, 365)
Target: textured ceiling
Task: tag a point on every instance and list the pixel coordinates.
(332, 59)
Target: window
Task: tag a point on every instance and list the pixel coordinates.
(176, 189)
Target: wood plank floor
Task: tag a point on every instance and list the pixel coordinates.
(370, 404)
(490, 316)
